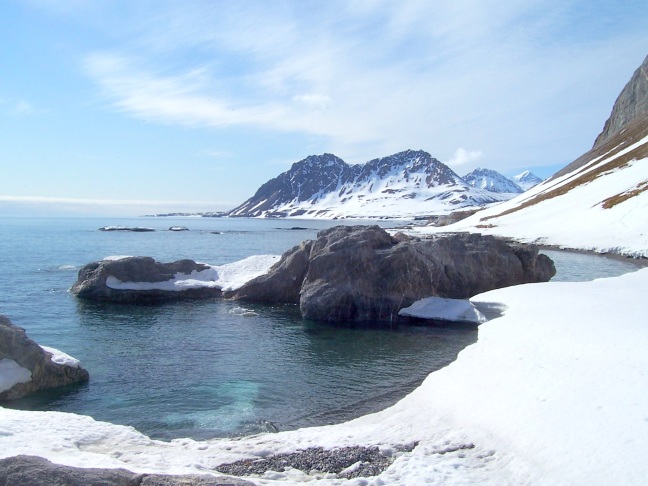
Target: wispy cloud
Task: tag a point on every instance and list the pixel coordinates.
(370, 77)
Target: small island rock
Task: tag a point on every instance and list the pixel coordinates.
(146, 281)
(32, 368)
(362, 273)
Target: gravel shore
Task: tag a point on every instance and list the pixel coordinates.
(347, 462)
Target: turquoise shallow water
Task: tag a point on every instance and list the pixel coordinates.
(193, 368)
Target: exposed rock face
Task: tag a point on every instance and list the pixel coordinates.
(631, 103)
(37, 471)
(91, 282)
(16, 346)
(361, 273)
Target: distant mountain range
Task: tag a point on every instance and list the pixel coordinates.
(407, 184)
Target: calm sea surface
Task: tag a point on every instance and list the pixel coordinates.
(194, 369)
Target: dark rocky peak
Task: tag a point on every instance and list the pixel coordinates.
(406, 163)
(631, 103)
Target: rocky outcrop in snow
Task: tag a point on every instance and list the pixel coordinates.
(362, 273)
(631, 103)
(26, 367)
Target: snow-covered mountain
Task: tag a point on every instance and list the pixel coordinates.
(598, 202)
(491, 180)
(407, 184)
(526, 180)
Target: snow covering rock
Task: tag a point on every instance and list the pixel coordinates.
(405, 184)
(492, 181)
(142, 279)
(26, 367)
(361, 273)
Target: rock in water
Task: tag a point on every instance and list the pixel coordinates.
(361, 273)
(94, 281)
(27, 356)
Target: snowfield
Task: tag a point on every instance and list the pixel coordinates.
(577, 218)
(554, 392)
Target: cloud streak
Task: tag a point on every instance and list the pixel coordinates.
(372, 78)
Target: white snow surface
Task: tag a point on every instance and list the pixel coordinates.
(228, 277)
(444, 309)
(59, 357)
(11, 373)
(554, 392)
(577, 218)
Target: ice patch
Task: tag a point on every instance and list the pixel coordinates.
(444, 309)
(228, 277)
(11, 373)
(59, 357)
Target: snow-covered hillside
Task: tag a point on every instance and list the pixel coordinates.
(600, 205)
(491, 181)
(406, 184)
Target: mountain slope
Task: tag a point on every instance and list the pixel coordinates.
(491, 180)
(407, 184)
(526, 180)
(601, 205)
(631, 103)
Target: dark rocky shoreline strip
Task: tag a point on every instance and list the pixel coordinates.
(346, 462)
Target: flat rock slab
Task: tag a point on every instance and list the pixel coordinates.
(37, 471)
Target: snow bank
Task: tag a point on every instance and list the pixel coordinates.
(444, 309)
(577, 218)
(228, 277)
(11, 373)
(59, 357)
(553, 393)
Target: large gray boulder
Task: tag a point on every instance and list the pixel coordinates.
(362, 273)
(20, 357)
(37, 471)
(93, 281)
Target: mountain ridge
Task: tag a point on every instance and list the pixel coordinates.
(404, 184)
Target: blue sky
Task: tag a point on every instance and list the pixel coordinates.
(132, 107)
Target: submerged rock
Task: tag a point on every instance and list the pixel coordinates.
(37, 471)
(362, 273)
(27, 367)
(142, 280)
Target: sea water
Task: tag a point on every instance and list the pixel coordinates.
(199, 368)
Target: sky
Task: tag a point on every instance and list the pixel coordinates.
(125, 108)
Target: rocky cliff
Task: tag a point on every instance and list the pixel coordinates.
(630, 104)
